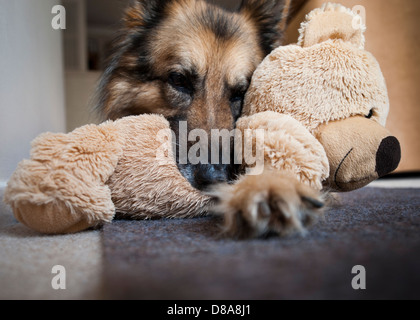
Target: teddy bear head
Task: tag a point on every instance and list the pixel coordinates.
(335, 88)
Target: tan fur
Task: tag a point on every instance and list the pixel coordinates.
(148, 95)
(342, 19)
(312, 100)
(329, 81)
(326, 82)
(80, 180)
(146, 186)
(133, 15)
(216, 60)
(271, 202)
(200, 46)
(351, 146)
(179, 42)
(289, 147)
(62, 187)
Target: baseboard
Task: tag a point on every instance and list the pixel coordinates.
(402, 175)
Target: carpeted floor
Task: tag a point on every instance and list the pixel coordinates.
(376, 228)
(186, 259)
(27, 259)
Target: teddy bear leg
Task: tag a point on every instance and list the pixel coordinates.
(51, 218)
(55, 201)
(62, 188)
(274, 202)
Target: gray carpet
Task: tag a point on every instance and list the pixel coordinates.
(186, 259)
(27, 257)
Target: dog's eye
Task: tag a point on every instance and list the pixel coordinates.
(236, 101)
(237, 96)
(180, 82)
(370, 115)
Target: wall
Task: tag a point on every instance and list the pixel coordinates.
(392, 36)
(80, 90)
(31, 78)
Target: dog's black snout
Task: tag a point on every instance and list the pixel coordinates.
(388, 156)
(208, 174)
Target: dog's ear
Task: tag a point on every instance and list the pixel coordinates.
(269, 17)
(144, 13)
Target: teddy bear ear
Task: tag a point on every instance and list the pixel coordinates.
(332, 21)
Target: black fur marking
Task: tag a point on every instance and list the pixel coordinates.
(133, 43)
(219, 23)
(267, 15)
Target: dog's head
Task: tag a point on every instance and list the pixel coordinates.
(189, 61)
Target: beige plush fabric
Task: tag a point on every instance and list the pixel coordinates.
(324, 82)
(343, 20)
(351, 146)
(146, 183)
(82, 179)
(393, 33)
(61, 189)
(79, 180)
(290, 147)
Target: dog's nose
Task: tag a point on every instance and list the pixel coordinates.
(207, 175)
(388, 156)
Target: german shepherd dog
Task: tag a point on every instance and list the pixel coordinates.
(190, 61)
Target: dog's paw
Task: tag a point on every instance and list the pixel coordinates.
(269, 203)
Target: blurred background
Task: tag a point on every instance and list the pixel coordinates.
(48, 76)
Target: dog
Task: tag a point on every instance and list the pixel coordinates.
(192, 62)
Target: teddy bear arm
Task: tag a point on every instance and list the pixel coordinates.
(147, 183)
(288, 147)
(284, 196)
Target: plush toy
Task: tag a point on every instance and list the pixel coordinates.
(80, 180)
(322, 104)
(336, 91)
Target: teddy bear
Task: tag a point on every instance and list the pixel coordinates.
(80, 180)
(321, 104)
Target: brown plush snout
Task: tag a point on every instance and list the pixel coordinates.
(359, 151)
